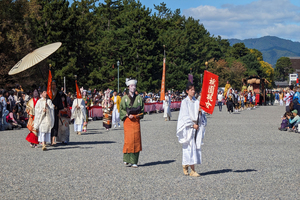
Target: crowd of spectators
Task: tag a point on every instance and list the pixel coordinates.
(290, 119)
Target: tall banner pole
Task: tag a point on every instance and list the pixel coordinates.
(65, 89)
(208, 94)
(49, 87)
(163, 80)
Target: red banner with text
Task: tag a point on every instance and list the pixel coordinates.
(209, 92)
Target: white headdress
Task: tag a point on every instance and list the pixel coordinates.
(130, 81)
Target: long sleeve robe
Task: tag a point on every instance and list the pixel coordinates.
(167, 104)
(186, 134)
(132, 132)
(44, 121)
(56, 101)
(78, 115)
(116, 109)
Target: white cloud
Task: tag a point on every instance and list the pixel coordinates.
(259, 18)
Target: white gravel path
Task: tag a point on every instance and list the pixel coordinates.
(244, 157)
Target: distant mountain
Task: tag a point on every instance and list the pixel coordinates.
(271, 47)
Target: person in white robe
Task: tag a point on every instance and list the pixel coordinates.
(78, 114)
(116, 110)
(167, 107)
(190, 131)
(44, 119)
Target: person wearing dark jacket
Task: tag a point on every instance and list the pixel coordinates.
(56, 101)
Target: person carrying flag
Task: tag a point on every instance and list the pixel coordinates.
(190, 131)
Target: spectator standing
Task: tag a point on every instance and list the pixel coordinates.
(281, 98)
(4, 113)
(287, 98)
(167, 107)
(220, 100)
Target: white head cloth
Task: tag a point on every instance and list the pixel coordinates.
(130, 81)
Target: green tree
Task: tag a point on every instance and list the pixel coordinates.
(283, 69)
(234, 73)
(94, 37)
(239, 50)
(252, 65)
(16, 40)
(257, 53)
(268, 73)
(52, 26)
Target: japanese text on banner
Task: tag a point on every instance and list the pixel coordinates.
(210, 92)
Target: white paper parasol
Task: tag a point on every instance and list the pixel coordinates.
(34, 57)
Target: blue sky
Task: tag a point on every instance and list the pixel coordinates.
(241, 19)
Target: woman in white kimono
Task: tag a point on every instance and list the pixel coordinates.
(167, 109)
(190, 131)
(44, 119)
(78, 114)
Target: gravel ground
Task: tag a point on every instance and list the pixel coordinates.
(244, 157)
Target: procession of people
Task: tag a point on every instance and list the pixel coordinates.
(49, 118)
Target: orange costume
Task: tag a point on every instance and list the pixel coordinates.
(32, 136)
(132, 135)
(132, 105)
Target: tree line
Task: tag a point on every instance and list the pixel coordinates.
(96, 35)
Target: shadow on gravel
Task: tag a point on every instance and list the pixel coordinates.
(157, 163)
(226, 171)
(91, 142)
(246, 170)
(91, 133)
(67, 147)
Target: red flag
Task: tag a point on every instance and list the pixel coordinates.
(209, 92)
(78, 91)
(49, 88)
(163, 82)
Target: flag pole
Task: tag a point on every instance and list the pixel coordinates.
(47, 97)
(51, 78)
(75, 88)
(199, 112)
(163, 81)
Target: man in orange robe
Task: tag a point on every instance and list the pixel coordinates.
(131, 111)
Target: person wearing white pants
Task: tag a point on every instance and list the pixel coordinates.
(167, 107)
(78, 114)
(191, 131)
(116, 110)
(44, 119)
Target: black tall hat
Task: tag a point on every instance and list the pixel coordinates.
(44, 88)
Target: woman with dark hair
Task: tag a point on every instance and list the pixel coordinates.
(11, 100)
(190, 130)
(63, 135)
(32, 136)
(20, 101)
